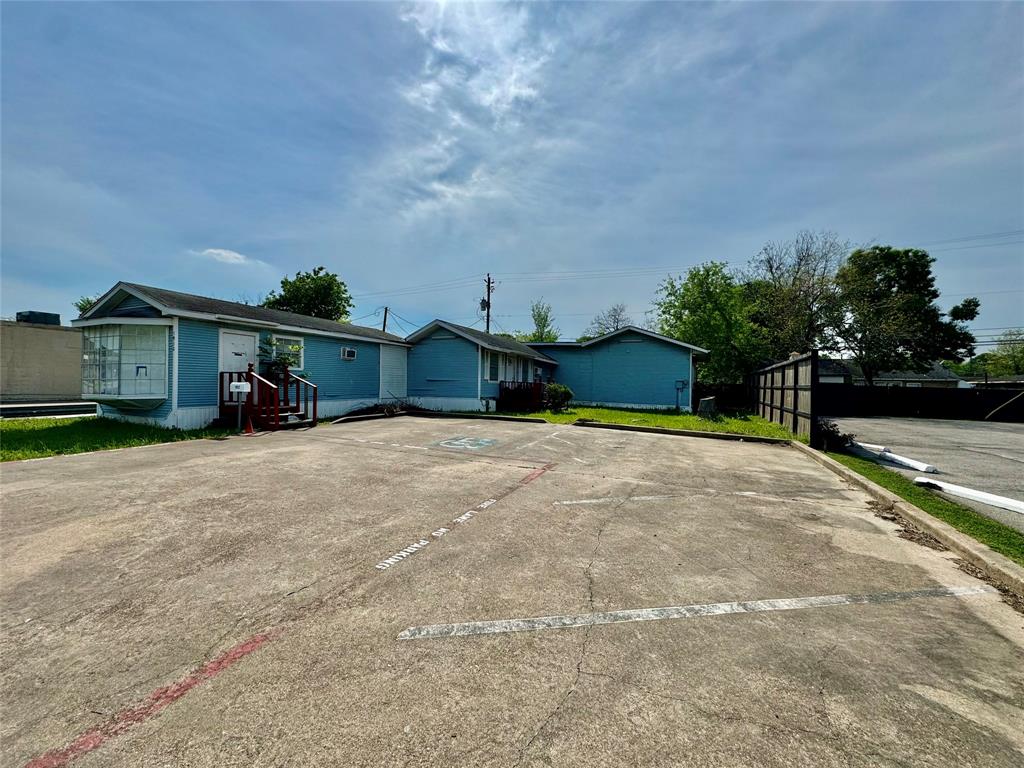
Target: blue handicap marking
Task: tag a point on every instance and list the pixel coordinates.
(467, 443)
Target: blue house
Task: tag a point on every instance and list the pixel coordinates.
(455, 368)
(168, 358)
(628, 368)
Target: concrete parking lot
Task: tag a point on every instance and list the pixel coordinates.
(463, 592)
(986, 456)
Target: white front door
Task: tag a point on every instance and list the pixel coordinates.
(237, 350)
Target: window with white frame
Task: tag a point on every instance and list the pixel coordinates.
(493, 362)
(292, 348)
(124, 360)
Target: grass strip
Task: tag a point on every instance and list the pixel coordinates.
(993, 534)
(38, 438)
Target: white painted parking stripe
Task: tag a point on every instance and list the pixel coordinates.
(433, 631)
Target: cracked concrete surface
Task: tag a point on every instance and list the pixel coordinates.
(125, 572)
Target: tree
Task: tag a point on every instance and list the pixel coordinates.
(543, 323)
(84, 303)
(1007, 359)
(792, 287)
(318, 294)
(886, 317)
(611, 319)
(707, 308)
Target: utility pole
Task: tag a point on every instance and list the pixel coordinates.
(485, 303)
(385, 326)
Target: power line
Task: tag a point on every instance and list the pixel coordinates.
(967, 238)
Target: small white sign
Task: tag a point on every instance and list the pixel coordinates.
(240, 386)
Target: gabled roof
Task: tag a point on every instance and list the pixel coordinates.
(177, 304)
(485, 340)
(616, 332)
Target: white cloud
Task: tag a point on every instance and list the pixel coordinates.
(226, 256)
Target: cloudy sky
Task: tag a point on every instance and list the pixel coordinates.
(580, 152)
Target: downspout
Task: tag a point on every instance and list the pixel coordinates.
(479, 372)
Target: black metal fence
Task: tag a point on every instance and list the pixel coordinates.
(786, 393)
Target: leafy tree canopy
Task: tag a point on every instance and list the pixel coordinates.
(318, 294)
(708, 308)
(792, 289)
(543, 323)
(84, 303)
(1007, 359)
(886, 317)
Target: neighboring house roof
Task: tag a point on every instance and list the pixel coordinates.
(175, 303)
(485, 340)
(829, 367)
(937, 372)
(610, 334)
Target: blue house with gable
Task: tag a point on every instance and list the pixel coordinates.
(627, 368)
(168, 358)
(455, 368)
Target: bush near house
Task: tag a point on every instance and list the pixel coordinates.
(38, 438)
(557, 397)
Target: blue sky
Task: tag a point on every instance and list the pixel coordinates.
(212, 148)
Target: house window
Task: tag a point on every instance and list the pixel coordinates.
(124, 360)
(493, 360)
(290, 347)
(348, 353)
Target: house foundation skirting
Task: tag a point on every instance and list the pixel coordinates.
(448, 403)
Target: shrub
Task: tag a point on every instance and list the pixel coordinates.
(834, 439)
(557, 396)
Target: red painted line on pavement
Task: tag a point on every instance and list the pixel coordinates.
(152, 705)
(536, 473)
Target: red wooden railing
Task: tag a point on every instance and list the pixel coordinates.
(520, 395)
(304, 392)
(266, 401)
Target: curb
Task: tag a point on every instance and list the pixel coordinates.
(683, 432)
(999, 567)
(367, 417)
(483, 416)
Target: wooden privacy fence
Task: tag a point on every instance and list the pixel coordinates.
(786, 394)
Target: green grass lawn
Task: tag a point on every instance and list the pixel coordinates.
(998, 537)
(36, 438)
(739, 425)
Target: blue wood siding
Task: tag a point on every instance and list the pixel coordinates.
(575, 369)
(199, 359)
(338, 379)
(129, 306)
(443, 365)
(629, 368)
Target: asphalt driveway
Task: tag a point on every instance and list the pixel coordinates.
(986, 456)
(461, 592)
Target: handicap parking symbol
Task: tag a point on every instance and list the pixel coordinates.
(467, 443)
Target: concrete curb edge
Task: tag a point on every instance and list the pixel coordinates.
(683, 432)
(999, 567)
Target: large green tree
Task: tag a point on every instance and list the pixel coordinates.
(792, 288)
(318, 294)
(708, 308)
(543, 323)
(886, 317)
